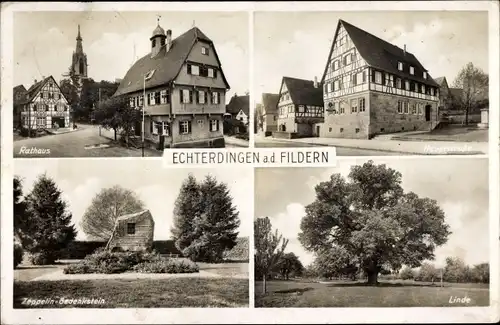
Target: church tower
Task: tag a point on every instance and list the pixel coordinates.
(79, 63)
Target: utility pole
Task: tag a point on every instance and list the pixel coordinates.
(143, 105)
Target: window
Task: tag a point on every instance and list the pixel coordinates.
(360, 78)
(398, 83)
(185, 127)
(154, 42)
(141, 100)
(151, 99)
(215, 97)
(157, 98)
(41, 122)
(348, 59)
(185, 96)
(51, 84)
(166, 128)
(341, 109)
(387, 80)
(329, 87)
(420, 110)
(407, 85)
(406, 107)
(154, 127)
(425, 75)
(400, 107)
(414, 109)
(130, 228)
(149, 75)
(378, 77)
(195, 70)
(47, 108)
(165, 98)
(354, 105)
(423, 89)
(336, 85)
(210, 72)
(354, 79)
(412, 70)
(400, 66)
(201, 97)
(201, 123)
(214, 125)
(335, 65)
(362, 105)
(432, 91)
(204, 50)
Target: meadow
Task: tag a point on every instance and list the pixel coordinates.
(295, 294)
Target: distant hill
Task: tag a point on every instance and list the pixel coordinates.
(240, 251)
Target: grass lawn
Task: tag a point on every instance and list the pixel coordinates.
(226, 269)
(352, 294)
(452, 133)
(29, 272)
(171, 293)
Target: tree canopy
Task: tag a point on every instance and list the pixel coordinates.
(373, 220)
(110, 203)
(115, 113)
(474, 84)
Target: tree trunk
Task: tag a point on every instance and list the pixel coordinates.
(264, 284)
(114, 129)
(467, 115)
(372, 277)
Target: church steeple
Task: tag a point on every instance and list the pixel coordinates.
(79, 46)
(79, 62)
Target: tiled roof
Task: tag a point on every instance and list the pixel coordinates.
(270, 102)
(302, 92)
(238, 103)
(382, 54)
(167, 65)
(440, 80)
(35, 89)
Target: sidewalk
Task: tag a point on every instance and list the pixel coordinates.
(236, 142)
(412, 147)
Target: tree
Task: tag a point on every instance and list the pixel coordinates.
(186, 210)
(456, 270)
(50, 228)
(258, 118)
(214, 225)
(99, 219)
(115, 113)
(428, 273)
(289, 264)
(407, 273)
(269, 248)
(70, 92)
(481, 273)
(336, 261)
(21, 218)
(371, 217)
(474, 85)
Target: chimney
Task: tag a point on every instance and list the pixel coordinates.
(169, 40)
(404, 49)
(315, 82)
(35, 81)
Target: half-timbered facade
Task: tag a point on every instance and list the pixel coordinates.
(181, 86)
(45, 106)
(371, 87)
(300, 106)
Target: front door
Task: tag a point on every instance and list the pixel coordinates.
(427, 113)
(317, 130)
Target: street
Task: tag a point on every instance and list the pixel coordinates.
(340, 150)
(85, 142)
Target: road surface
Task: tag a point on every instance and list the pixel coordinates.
(340, 150)
(85, 142)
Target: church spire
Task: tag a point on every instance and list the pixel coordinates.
(79, 37)
(79, 47)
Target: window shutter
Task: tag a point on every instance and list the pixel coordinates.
(190, 96)
(206, 97)
(215, 73)
(180, 127)
(189, 68)
(373, 75)
(181, 95)
(151, 127)
(197, 96)
(189, 126)
(354, 79)
(217, 125)
(218, 98)
(383, 79)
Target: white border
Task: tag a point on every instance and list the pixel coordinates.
(248, 315)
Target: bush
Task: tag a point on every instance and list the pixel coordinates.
(42, 258)
(167, 266)
(18, 254)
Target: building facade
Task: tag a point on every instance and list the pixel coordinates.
(300, 107)
(269, 113)
(372, 87)
(181, 86)
(45, 106)
(238, 113)
(19, 96)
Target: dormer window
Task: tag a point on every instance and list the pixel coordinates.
(400, 66)
(425, 75)
(149, 75)
(412, 70)
(204, 50)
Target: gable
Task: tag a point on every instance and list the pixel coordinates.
(283, 88)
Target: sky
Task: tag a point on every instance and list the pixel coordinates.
(460, 186)
(297, 44)
(113, 41)
(156, 186)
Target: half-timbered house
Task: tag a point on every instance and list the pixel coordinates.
(373, 87)
(300, 107)
(45, 106)
(181, 87)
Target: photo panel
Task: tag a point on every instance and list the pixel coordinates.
(373, 233)
(128, 84)
(165, 238)
(373, 83)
